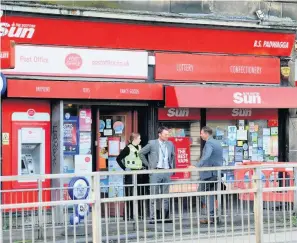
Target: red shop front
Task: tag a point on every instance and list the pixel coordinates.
(88, 64)
(250, 121)
(251, 130)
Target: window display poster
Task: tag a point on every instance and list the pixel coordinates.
(225, 156)
(85, 143)
(108, 123)
(255, 154)
(272, 123)
(103, 142)
(238, 154)
(70, 136)
(118, 127)
(242, 134)
(115, 182)
(114, 146)
(260, 155)
(266, 145)
(274, 146)
(245, 155)
(182, 156)
(232, 135)
(101, 125)
(68, 165)
(85, 120)
(254, 136)
(241, 124)
(266, 131)
(104, 185)
(274, 131)
(251, 126)
(107, 132)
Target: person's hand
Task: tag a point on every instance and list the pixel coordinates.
(192, 167)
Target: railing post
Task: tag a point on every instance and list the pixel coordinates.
(258, 205)
(40, 218)
(135, 204)
(96, 209)
(219, 197)
(295, 192)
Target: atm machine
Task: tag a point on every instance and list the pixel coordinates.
(27, 124)
(31, 144)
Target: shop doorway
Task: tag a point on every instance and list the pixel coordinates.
(113, 130)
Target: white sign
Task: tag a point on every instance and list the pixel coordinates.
(79, 62)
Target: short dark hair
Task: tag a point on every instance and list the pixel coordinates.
(207, 130)
(162, 128)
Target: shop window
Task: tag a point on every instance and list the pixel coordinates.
(77, 137)
(247, 140)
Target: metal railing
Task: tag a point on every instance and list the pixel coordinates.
(258, 204)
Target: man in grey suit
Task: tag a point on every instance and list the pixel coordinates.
(161, 156)
(212, 156)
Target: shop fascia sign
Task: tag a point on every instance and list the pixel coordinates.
(111, 35)
(79, 62)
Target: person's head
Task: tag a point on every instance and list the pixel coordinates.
(163, 133)
(135, 138)
(205, 133)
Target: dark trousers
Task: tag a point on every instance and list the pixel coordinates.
(142, 189)
(209, 184)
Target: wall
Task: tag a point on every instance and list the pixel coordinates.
(280, 12)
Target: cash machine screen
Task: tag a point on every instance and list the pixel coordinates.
(30, 159)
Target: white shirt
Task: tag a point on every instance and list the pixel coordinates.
(163, 156)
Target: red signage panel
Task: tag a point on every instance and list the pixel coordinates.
(192, 114)
(66, 32)
(230, 97)
(210, 68)
(7, 54)
(182, 157)
(241, 114)
(84, 90)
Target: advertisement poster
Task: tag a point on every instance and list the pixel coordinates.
(182, 156)
(232, 135)
(70, 136)
(114, 146)
(85, 143)
(115, 182)
(104, 185)
(85, 120)
(238, 154)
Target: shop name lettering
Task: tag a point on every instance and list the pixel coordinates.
(246, 69)
(172, 112)
(33, 59)
(247, 98)
(184, 67)
(241, 112)
(17, 30)
(271, 44)
(130, 91)
(43, 89)
(182, 155)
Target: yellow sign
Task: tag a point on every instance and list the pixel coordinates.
(285, 71)
(5, 138)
